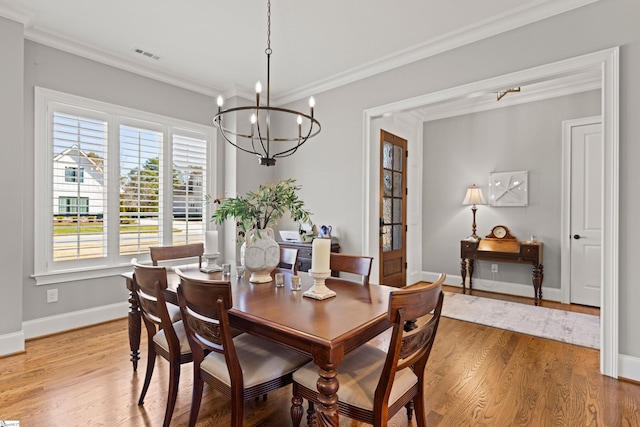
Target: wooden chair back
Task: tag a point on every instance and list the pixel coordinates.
(288, 259)
(149, 283)
(353, 264)
(204, 305)
(165, 253)
(410, 349)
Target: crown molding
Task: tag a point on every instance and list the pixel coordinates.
(480, 30)
(524, 15)
(71, 46)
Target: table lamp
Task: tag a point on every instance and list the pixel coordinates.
(474, 197)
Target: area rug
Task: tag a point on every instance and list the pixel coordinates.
(573, 328)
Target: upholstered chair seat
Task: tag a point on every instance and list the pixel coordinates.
(160, 338)
(358, 376)
(261, 361)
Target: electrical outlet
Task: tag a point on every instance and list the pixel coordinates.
(494, 268)
(52, 295)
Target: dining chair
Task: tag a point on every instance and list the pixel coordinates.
(166, 338)
(166, 253)
(353, 264)
(374, 384)
(241, 367)
(288, 259)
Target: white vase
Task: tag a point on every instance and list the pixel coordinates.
(261, 255)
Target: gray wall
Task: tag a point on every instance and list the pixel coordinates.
(11, 100)
(461, 151)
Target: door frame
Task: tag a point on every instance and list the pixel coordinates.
(565, 208)
(607, 61)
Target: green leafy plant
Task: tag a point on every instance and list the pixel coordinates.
(263, 207)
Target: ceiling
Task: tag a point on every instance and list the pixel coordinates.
(218, 46)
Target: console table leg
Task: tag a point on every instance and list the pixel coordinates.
(538, 275)
(470, 274)
(463, 273)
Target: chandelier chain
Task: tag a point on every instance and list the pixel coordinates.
(268, 50)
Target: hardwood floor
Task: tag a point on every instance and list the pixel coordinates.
(478, 376)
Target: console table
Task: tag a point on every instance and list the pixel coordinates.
(304, 253)
(503, 251)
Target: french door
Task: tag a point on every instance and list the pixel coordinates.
(393, 210)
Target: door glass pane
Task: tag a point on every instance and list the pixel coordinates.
(387, 183)
(386, 210)
(397, 210)
(397, 237)
(397, 184)
(397, 158)
(387, 156)
(386, 238)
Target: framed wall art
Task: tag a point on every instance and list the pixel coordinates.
(509, 188)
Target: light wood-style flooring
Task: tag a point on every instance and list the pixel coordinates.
(478, 376)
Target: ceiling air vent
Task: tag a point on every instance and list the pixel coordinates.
(145, 53)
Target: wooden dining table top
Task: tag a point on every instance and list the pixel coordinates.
(352, 317)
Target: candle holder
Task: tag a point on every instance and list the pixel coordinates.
(319, 289)
(211, 265)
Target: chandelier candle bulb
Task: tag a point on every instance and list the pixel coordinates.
(320, 254)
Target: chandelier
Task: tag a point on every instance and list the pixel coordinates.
(260, 141)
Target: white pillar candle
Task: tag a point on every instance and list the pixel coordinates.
(320, 254)
(211, 242)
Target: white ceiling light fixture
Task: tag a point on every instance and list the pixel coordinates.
(259, 141)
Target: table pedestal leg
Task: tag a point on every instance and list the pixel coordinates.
(538, 275)
(135, 326)
(327, 410)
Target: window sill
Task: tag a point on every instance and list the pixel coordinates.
(50, 278)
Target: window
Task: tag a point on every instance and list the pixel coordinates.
(73, 174)
(73, 205)
(111, 182)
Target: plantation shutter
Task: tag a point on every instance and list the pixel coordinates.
(189, 187)
(79, 187)
(140, 189)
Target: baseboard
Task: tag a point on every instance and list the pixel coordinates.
(517, 289)
(629, 367)
(11, 343)
(75, 319)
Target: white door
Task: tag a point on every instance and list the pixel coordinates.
(586, 214)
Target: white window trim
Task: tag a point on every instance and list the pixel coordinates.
(113, 264)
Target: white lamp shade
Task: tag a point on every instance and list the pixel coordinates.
(474, 196)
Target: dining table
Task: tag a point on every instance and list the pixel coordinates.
(325, 330)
